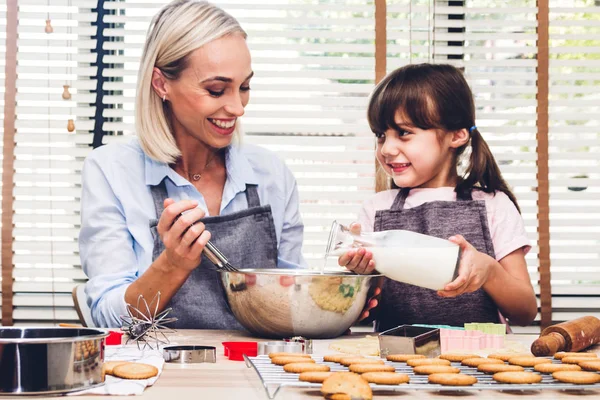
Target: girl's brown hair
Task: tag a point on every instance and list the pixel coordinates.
(437, 96)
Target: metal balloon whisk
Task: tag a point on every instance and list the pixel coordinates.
(143, 325)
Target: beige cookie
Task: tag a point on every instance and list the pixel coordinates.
(287, 354)
(475, 362)
(452, 379)
(508, 356)
(528, 361)
(435, 369)
(297, 368)
(575, 360)
(336, 358)
(456, 357)
(562, 354)
(348, 384)
(135, 371)
(290, 360)
(427, 361)
(108, 366)
(385, 378)
(403, 357)
(314, 376)
(493, 368)
(551, 368)
(360, 360)
(590, 365)
(362, 368)
(577, 377)
(517, 377)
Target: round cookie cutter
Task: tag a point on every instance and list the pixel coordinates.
(190, 354)
(279, 347)
(307, 347)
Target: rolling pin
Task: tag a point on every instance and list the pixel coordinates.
(574, 335)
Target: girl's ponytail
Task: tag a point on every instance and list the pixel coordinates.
(482, 172)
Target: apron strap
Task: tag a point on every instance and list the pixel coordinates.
(400, 199)
(159, 194)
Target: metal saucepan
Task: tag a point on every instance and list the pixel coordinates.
(36, 361)
(280, 303)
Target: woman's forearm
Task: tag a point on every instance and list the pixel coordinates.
(513, 296)
(160, 277)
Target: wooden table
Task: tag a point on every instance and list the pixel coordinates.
(233, 380)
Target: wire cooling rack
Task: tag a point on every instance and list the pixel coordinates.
(274, 378)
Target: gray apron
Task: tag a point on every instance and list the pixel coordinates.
(402, 303)
(247, 238)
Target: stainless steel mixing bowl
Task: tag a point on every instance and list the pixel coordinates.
(280, 303)
(36, 361)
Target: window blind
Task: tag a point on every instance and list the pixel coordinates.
(56, 77)
(574, 152)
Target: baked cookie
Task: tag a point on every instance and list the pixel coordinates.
(427, 361)
(590, 365)
(347, 361)
(562, 354)
(132, 370)
(314, 376)
(508, 356)
(297, 368)
(290, 360)
(435, 369)
(336, 358)
(362, 368)
(577, 377)
(385, 378)
(575, 359)
(475, 362)
(452, 379)
(403, 357)
(528, 361)
(348, 384)
(493, 368)
(456, 357)
(551, 368)
(287, 354)
(108, 366)
(517, 377)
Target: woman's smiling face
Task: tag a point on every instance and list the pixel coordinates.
(211, 92)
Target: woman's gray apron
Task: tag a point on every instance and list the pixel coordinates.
(402, 303)
(247, 238)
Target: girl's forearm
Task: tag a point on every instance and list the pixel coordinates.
(513, 296)
(160, 277)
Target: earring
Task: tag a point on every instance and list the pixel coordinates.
(164, 97)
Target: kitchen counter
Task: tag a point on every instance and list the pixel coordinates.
(233, 380)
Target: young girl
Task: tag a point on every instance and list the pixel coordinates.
(424, 118)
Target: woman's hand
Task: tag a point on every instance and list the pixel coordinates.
(357, 260)
(373, 299)
(473, 271)
(184, 238)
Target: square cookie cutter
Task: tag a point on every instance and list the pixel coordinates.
(409, 339)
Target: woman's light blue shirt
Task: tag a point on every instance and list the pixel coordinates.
(115, 242)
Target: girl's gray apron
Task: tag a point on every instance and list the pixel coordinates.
(248, 240)
(402, 303)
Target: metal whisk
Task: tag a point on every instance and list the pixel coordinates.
(142, 325)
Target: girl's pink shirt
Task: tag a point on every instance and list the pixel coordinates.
(507, 227)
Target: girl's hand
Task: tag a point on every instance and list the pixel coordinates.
(473, 271)
(184, 238)
(359, 260)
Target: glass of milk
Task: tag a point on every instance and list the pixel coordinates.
(403, 256)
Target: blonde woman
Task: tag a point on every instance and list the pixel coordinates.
(149, 206)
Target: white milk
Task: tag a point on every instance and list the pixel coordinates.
(430, 268)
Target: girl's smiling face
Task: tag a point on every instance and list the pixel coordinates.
(415, 157)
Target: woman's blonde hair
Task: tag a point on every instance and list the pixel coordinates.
(180, 27)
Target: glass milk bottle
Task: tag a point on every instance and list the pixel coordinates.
(403, 256)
